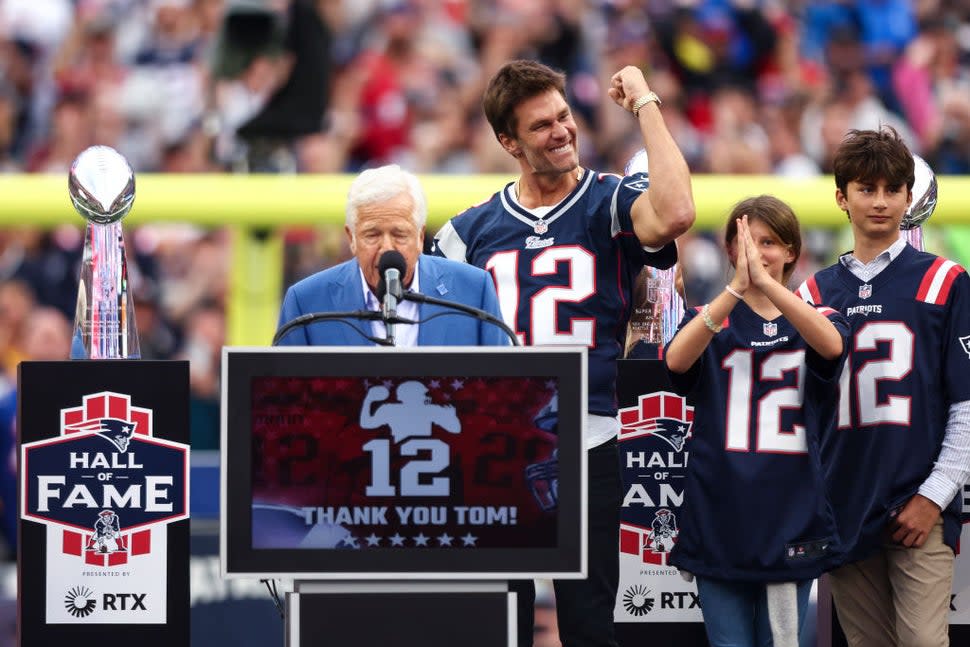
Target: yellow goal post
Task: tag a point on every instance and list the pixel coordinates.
(259, 206)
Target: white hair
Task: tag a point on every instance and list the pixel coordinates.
(383, 183)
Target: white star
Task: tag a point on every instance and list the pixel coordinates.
(396, 540)
(469, 539)
(350, 540)
(457, 385)
(681, 428)
(551, 384)
(421, 540)
(434, 384)
(444, 540)
(373, 540)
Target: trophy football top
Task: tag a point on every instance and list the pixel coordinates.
(102, 185)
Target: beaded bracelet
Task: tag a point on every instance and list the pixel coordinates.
(706, 316)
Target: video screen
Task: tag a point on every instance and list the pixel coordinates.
(372, 463)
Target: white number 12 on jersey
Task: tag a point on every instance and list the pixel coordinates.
(543, 324)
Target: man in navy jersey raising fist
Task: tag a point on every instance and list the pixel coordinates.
(901, 450)
(564, 245)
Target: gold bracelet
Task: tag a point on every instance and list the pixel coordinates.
(642, 101)
(706, 316)
(734, 293)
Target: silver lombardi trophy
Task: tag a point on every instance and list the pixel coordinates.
(658, 306)
(102, 188)
(924, 202)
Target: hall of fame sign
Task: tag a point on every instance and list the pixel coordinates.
(653, 455)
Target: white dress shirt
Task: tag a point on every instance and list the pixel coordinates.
(404, 334)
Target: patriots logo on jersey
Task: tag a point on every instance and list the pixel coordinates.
(965, 342)
(538, 242)
(116, 431)
(770, 329)
(639, 185)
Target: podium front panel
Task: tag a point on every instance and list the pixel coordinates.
(418, 463)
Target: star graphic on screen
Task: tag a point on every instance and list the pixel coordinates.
(469, 539)
(373, 540)
(349, 540)
(396, 540)
(445, 540)
(434, 384)
(387, 384)
(457, 385)
(551, 384)
(421, 540)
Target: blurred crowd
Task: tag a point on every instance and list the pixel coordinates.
(749, 86)
(335, 86)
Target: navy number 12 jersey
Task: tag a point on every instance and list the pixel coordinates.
(909, 360)
(754, 506)
(563, 278)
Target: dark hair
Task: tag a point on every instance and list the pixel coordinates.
(777, 215)
(515, 82)
(872, 155)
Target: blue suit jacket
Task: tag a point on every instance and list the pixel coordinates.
(338, 289)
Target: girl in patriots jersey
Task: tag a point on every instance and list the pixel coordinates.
(898, 461)
(763, 366)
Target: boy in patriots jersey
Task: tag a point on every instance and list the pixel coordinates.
(564, 245)
(901, 452)
(765, 367)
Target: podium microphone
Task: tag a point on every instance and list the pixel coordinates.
(391, 266)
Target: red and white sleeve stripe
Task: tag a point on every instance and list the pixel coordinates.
(936, 284)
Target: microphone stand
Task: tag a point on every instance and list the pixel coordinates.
(363, 315)
(461, 307)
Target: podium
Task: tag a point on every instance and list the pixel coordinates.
(402, 488)
(103, 533)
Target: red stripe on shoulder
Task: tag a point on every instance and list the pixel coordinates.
(927, 282)
(948, 280)
(813, 289)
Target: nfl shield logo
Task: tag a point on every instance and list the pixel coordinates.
(865, 291)
(965, 342)
(540, 227)
(771, 329)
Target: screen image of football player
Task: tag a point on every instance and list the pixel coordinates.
(564, 245)
(763, 366)
(902, 453)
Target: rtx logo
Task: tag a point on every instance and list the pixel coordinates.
(679, 600)
(80, 601)
(637, 600)
(124, 602)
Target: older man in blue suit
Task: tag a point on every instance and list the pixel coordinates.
(386, 210)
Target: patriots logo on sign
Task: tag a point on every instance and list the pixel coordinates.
(865, 291)
(663, 414)
(965, 342)
(663, 532)
(770, 329)
(105, 481)
(117, 432)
